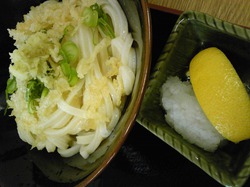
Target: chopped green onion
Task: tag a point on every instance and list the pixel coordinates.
(65, 67)
(11, 85)
(106, 28)
(97, 8)
(95, 37)
(90, 17)
(44, 92)
(70, 54)
(94, 16)
(10, 89)
(32, 104)
(69, 51)
(35, 90)
(73, 77)
(68, 29)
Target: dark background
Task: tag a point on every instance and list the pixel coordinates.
(143, 161)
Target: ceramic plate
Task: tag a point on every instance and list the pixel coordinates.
(193, 31)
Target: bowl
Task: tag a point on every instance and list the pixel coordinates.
(194, 31)
(50, 166)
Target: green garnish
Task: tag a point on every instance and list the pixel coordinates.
(65, 67)
(90, 17)
(94, 16)
(70, 54)
(73, 77)
(69, 72)
(44, 92)
(106, 28)
(68, 30)
(35, 90)
(11, 86)
(97, 8)
(10, 89)
(32, 106)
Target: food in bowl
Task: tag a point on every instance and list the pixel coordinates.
(72, 69)
(214, 105)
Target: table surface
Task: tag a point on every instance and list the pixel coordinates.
(234, 11)
(143, 160)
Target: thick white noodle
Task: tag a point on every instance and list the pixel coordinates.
(85, 139)
(103, 57)
(85, 151)
(55, 119)
(128, 78)
(119, 20)
(127, 44)
(117, 46)
(97, 70)
(72, 110)
(40, 145)
(70, 151)
(114, 120)
(113, 93)
(61, 120)
(50, 147)
(59, 141)
(72, 127)
(83, 39)
(132, 59)
(25, 135)
(109, 106)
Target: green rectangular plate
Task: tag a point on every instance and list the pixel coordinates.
(193, 31)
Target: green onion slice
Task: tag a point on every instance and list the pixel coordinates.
(35, 90)
(94, 16)
(11, 85)
(106, 28)
(69, 51)
(65, 67)
(73, 79)
(90, 17)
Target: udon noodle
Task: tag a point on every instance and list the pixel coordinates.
(80, 100)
